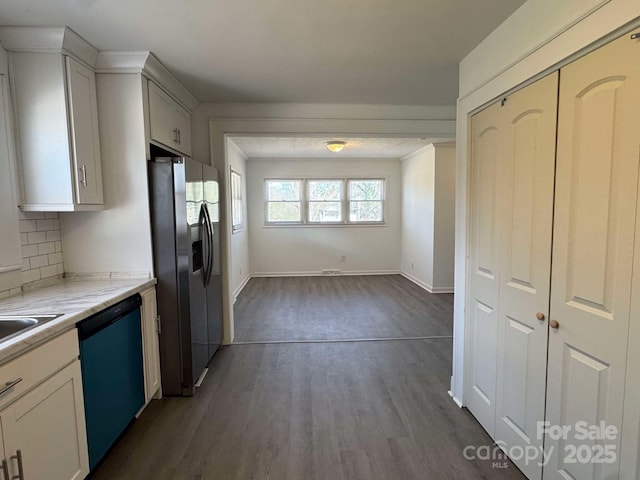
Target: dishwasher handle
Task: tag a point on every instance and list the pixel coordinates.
(101, 320)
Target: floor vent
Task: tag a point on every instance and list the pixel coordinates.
(331, 271)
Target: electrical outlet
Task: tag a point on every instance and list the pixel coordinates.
(343, 258)
(241, 270)
(412, 266)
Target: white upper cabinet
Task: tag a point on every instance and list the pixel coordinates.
(169, 123)
(54, 92)
(85, 141)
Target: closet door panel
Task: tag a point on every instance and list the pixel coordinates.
(484, 264)
(630, 448)
(527, 219)
(595, 211)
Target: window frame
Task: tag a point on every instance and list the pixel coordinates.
(304, 202)
(383, 201)
(301, 201)
(236, 227)
(308, 202)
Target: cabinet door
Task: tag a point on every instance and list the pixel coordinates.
(594, 226)
(183, 122)
(47, 427)
(482, 305)
(525, 268)
(169, 123)
(10, 252)
(85, 142)
(151, 352)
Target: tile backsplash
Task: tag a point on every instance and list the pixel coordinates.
(41, 247)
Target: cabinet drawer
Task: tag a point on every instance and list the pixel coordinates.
(38, 364)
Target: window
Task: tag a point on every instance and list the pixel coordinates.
(325, 201)
(284, 203)
(237, 202)
(329, 201)
(365, 201)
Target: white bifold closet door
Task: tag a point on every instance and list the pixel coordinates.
(630, 448)
(484, 283)
(593, 243)
(512, 210)
(527, 173)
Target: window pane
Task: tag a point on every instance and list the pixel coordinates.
(283, 190)
(326, 190)
(325, 212)
(283, 212)
(365, 189)
(365, 211)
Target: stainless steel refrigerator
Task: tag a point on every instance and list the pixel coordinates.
(186, 249)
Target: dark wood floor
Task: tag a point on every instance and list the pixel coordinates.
(342, 307)
(361, 410)
(304, 411)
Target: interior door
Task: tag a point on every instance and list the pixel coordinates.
(484, 255)
(630, 448)
(595, 211)
(528, 168)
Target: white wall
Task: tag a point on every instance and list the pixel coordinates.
(428, 217)
(418, 198)
(533, 40)
(239, 246)
(117, 239)
(309, 249)
(212, 123)
(444, 222)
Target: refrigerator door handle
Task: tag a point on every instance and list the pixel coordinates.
(207, 243)
(210, 237)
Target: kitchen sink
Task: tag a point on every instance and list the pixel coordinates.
(11, 325)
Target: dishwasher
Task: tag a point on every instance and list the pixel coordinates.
(112, 373)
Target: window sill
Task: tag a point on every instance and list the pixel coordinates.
(325, 225)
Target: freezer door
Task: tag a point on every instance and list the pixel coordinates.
(214, 286)
(196, 269)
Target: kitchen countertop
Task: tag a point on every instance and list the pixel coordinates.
(76, 299)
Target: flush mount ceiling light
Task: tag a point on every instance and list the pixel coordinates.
(335, 146)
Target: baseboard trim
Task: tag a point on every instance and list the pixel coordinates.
(455, 400)
(346, 273)
(425, 285)
(240, 287)
(443, 290)
(345, 340)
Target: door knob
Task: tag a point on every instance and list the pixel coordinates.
(554, 324)
(540, 316)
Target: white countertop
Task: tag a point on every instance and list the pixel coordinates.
(76, 299)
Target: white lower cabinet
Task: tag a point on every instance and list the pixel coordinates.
(43, 434)
(150, 345)
(44, 431)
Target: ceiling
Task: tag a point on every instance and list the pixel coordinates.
(309, 51)
(265, 147)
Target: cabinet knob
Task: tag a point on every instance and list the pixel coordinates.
(554, 324)
(540, 316)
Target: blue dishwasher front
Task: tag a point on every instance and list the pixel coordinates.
(112, 373)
